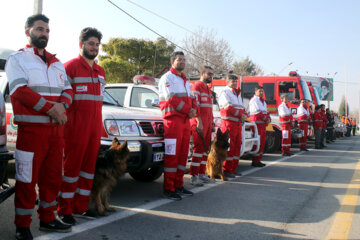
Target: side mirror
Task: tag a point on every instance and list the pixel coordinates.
(155, 103)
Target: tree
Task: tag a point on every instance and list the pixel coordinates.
(125, 58)
(247, 67)
(209, 50)
(342, 107)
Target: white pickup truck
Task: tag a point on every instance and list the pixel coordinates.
(138, 96)
(143, 130)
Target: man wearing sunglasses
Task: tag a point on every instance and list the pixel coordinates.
(201, 124)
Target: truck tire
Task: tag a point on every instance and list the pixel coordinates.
(273, 141)
(147, 175)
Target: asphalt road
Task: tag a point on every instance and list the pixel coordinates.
(311, 195)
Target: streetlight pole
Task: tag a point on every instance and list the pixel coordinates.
(285, 67)
(38, 6)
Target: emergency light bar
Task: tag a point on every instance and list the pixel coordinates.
(142, 79)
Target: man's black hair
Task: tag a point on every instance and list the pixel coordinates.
(89, 32)
(174, 54)
(32, 19)
(258, 87)
(231, 76)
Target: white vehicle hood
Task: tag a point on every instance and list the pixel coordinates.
(116, 113)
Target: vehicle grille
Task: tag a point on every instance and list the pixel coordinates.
(147, 127)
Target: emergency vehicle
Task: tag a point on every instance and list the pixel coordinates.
(293, 86)
(5, 155)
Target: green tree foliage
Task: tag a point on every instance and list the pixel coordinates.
(342, 107)
(125, 58)
(247, 67)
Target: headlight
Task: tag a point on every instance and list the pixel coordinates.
(121, 128)
(111, 127)
(128, 128)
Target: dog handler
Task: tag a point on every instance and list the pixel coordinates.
(259, 115)
(39, 92)
(83, 130)
(178, 105)
(203, 123)
(231, 111)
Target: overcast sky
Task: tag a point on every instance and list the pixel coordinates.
(319, 37)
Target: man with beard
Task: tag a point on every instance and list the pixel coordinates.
(202, 123)
(178, 105)
(83, 130)
(40, 92)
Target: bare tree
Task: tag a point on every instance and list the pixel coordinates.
(247, 67)
(209, 50)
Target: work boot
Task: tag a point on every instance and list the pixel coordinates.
(171, 195)
(229, 175)
(286, 154)
(55, 226)
(68, 219)
(183, 191)
(88, 214)
(195, 180)
(259, 164)
(23, 234)
(206, 179)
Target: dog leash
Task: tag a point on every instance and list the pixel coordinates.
(202, 138)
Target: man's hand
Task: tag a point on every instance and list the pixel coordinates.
(199, 124)
(58, 112)
(192, 113)
(243, 118)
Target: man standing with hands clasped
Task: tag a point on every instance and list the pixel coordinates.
(40, 92)
(202, 123)
(83, 130)
(178, 105)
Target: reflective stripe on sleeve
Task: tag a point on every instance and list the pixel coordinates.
(33, 119)
(67, 194)
(195, 164)
(17, 83)
(199, 155)
(67, 96)
(85, 80)
(203, 162)
(44, 90)
(180, 106)
(231, 118)
(40, 104)
(205, 105)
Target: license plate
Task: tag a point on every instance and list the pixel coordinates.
(158, 157)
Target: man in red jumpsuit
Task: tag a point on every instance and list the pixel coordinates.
(318, 125)
(203, 123)
(303, 119)
(83, 130)
(259, 115)
(40, 92)
(231, 111)
(325, 122)
(285, 117)
(178, 105)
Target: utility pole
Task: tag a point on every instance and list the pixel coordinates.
(38, 6)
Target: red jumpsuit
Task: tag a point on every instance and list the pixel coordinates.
(204, 97)
(82, 135)
(285, 117)
(259, 115)
(39, 145)
(176, 100)
(303, 118)
(231, 111)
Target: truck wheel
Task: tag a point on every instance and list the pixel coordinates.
(147, 175)
(273, 141)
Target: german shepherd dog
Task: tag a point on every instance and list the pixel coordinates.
(217, 155)
(107, 172)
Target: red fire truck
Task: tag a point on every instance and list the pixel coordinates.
(274, 87)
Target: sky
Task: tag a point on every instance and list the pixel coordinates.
(319, 37)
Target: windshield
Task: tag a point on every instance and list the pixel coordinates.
(306, 91)
(109, 100)
(316, 96)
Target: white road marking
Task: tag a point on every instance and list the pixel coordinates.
(143, 208)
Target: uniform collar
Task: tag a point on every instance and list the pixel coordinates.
(95, 67)
(182, 75)
(50, 58)
(261, 99)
